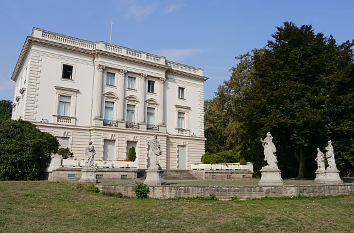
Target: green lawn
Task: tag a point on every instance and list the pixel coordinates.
(58, 207)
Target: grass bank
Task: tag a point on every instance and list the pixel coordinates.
(58, 207)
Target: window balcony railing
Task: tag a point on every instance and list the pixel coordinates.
(132, 125)
(66, 120)
(152, 127)
(110, 123)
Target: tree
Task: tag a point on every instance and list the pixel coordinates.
(300, 88)
(24, 150)
(132, 154)
(5, 109)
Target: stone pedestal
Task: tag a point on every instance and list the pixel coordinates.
(270, 177)
(320, 177)
(153, 177)
(88, 175)
(332, 177)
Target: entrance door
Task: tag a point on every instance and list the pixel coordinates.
(182, 162)
(108, 150)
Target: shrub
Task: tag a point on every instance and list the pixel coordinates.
(24, 150)
(132, 154)
(141, 190)
(65, 153)
(221, 157)
(243, 161)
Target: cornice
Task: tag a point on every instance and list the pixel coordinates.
(194, 76)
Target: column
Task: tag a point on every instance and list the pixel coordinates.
(97, 96)
(121, 98)
(161, 102)
(141, 112)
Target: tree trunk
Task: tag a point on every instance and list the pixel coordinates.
(301, 157)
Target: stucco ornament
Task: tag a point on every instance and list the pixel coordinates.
(154, 153)
(330, 157)
(269, 151)
(320, 160)
(91, 155)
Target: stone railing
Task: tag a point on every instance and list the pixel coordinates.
(63, 119)
(223, 166)
(116, 49)
(184, 68)
(100, 163)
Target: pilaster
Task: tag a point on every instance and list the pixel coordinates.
(97, 96)
(141, 112)
(121, 98)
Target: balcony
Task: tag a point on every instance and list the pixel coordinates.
(132, 125)
(64, 120)
(110, 123)
(152, 127)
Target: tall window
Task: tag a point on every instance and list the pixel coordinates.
(67, 72)
(151, 85)
(180, 92)
(110, 79)
(130, 113)
(64, 105)
(181, 120)
(131, 83)
(150, 117)
(108, 111)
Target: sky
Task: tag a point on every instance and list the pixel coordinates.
(204, 33)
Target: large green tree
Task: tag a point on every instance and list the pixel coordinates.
(24, 150)
(5, 109)
(300, 88)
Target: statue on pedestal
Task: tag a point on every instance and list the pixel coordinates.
(330, 157)
(271, 175)
(153, 172)
(154, 153)
(269, 151)
(320, 160)
(91, 156)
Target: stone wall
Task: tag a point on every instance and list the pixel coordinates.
(226, 192)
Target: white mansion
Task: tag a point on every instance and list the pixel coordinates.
(81, 91)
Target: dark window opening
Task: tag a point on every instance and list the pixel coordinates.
(151, 86)
(67, 71)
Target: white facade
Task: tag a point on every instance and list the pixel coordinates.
(79, 91)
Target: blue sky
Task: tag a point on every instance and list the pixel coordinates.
(202, 33)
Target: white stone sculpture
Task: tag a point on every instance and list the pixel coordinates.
(330, 157)
(154, 153)
(269, 151)
(320, 160)
(154, 172)
(331, 173)
(91, 156)
(270, 173)
(320, 172)
(88, 173)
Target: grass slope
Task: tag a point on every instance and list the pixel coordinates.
(58, 207)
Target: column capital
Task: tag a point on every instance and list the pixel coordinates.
(100, 67)
(162, 79)
(122, 71)
(143, 76)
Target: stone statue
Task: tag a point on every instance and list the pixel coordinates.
(330, 157)
(320, 160)
(91, 157)
(154, 153)
(269, 151)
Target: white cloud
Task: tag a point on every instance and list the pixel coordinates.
(179, 54)
(171, 8)
(139, 12)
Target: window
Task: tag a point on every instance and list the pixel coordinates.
(131, 83)
(150, 117)
(181, 120)
(110, 79)
(108, 111)
(63, 142)
(123, 177)
(64, 105)
(181, 93)
(130, 113)
(151, 85)
(67, 72)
